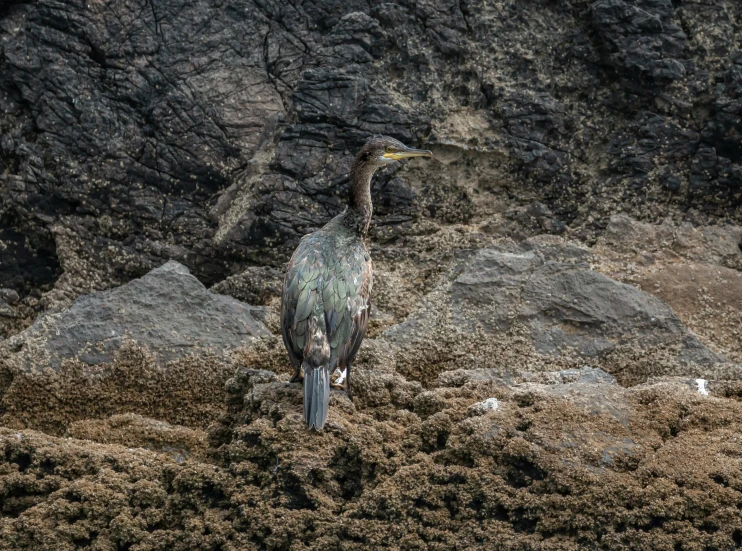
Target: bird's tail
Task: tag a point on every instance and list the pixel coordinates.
(316, 396)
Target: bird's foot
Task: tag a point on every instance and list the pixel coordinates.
(346, 384)
(343, 383)
(297, 378)
(339, 381)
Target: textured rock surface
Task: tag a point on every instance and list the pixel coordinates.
(587, 168)
(643, 37)
(217, 135)
(159, 344)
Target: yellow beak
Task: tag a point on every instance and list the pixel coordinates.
(408, 153)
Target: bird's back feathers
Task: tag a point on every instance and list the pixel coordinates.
(330, 273)
(325, 309)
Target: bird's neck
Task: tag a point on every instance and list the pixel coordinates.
(360, 208)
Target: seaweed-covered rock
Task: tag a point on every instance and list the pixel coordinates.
(551, 466)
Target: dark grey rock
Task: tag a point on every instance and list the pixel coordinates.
(146, 145)
(538, 126)
(565, 305)
(168, 311)
(642, 36)
(567, 309)
(8, 296)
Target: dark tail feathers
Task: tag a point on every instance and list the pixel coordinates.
(316, 396)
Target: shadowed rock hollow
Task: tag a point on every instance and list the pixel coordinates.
(553, 357)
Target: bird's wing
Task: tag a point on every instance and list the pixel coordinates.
(354, 276)
(300, 296)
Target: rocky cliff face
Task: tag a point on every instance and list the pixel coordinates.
(218, 134)
(553, 359)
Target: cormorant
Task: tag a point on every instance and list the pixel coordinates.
(327, 289)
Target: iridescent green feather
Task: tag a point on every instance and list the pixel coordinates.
(328, 294)
(312, 284)
(341, 289)
(340, 303)
(304, 305)
(299, 342)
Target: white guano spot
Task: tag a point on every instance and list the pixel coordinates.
(490, 404)
(702, 387)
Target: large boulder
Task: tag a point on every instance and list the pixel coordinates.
(545, 291)
(168, 311)
(159, 344)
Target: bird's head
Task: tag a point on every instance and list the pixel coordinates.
(382, 150)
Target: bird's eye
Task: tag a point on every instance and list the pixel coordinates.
(389, 149)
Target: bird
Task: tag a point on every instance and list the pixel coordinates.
(326, 297)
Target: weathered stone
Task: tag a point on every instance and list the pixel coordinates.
(567, 310)
(642, 35)
(168, 311)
